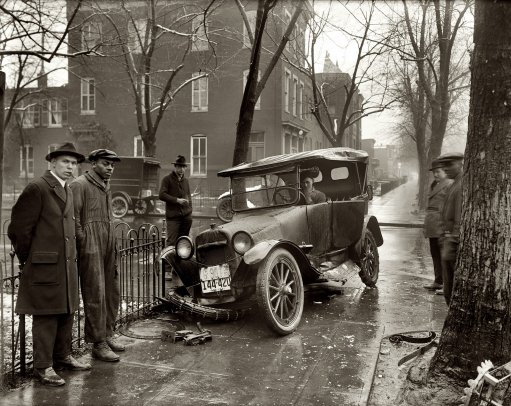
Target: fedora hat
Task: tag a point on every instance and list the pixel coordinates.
(180, 160)
(66, 148)
(103, 154)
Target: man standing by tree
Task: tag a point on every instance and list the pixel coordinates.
(452, 164)
(96, 244)
(175, 192)
(42, 231)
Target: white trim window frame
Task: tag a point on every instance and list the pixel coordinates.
(26, 161)
(294, 95)
(251, 16)
(287, 20)
(31, 115)
(199, 34)
(245, 75)
(198, 152)
(88, 96)
(287, 86)
(256, 144)
(138, 146)
(301, 100)
(199, 93)
(56, 112)
(136, 35)
(91, 35)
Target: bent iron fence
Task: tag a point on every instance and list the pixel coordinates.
(140, 276)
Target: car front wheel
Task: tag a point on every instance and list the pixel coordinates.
(280, 291)
(369, 260)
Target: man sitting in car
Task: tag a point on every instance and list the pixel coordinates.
(312, 196)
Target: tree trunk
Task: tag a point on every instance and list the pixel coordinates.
(2, 98)
(478, 325)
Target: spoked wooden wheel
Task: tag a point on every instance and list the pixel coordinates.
(119, 206)
(224, 209)
(369, 260)
(280, 291)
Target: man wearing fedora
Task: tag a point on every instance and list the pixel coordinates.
(452, 164)
(42, 231)
(175, 192)
(99, 281)
(432, 222)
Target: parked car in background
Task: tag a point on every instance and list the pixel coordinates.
(275, 243)
(134, 185)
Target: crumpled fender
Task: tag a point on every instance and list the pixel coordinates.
(371, 224)
(259, 251)
(187, 269)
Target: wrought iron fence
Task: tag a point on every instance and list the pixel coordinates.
(141, 281)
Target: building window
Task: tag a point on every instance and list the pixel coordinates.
(251, 16)
(300, 101)
(287, 88)
(88, 96)
(26, 161)
(138, 146)
(136, 34)
(199, 34)
(200, 93)
(31, 115)
(91, 35)
(54, 112)
(287, 21)
(256, 146)
(245, 76)
(294, 95)
(199, 155)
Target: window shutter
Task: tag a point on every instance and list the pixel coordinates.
(63, 102)
(44, 116)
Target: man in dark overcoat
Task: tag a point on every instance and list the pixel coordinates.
(175, 192)
(432, 222)
(452, 164)
(42, 231)
(99, 281)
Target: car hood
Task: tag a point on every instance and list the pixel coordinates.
(288, 223)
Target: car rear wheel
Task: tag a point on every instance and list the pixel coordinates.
(369, 260)
(280, 291)
(142, 207)
(224, 209)
(119, 206)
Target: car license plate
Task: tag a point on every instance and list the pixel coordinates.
(215, 278)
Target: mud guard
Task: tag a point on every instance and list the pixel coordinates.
(371, 224)
(260, 251)
(126, 196)
(188, 271)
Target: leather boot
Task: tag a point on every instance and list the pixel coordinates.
(70, 363)
(47, 376)
(103, 352)
(115, 345)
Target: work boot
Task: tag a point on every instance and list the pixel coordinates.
(47, 376)
(70, 363)
(433, 286)
(103, 352)
(114, 344)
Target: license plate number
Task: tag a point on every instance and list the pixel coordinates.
(215, 278)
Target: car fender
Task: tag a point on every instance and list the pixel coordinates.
(125, 195)
(371, 224)
(260, 251)
(187, 269)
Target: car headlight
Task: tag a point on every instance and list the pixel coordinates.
(184, 247)
(241, 242)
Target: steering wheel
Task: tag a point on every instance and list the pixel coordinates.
(284, 195)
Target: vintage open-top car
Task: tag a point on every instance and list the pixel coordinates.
(276, 243)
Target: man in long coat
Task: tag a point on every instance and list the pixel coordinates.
(451, 218)
(432, 222)
(42, 231)
(99, 281)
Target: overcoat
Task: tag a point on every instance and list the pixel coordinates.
(171, 189)
(42, 230)
(436, 197)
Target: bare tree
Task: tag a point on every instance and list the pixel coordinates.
(431, 31)
(371, 49)
(154, 81)
(254, 86)
(478, 326)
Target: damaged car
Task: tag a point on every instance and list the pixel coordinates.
(276, 244)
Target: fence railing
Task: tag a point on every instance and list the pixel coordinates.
(141, 281)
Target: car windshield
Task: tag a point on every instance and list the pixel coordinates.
(269, 189)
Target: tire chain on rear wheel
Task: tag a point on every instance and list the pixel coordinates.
(181, 303)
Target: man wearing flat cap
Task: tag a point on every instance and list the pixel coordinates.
(97, 268)
(42, 231)
(452, 164)
(175, 192)
(432, 222)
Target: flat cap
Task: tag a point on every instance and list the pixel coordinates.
(103, 154)
(450, 156)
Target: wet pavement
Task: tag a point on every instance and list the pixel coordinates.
(329, 360)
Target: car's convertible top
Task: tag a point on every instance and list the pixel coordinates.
(277, 161)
